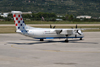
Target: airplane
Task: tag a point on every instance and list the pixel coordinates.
(44, 33)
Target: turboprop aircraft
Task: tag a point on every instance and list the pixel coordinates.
(44, 33)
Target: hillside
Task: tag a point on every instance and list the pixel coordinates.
(62, 7)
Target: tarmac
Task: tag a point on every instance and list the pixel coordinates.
(20, 51)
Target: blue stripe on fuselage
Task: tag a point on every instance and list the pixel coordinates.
(56, 37)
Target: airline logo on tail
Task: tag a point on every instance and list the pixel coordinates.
(19, 23)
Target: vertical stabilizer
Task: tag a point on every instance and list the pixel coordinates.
(19, 23)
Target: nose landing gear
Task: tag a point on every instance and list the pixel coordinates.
(80, 38)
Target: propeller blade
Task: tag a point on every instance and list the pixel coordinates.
(76, 26)
(54, 27)
(50, 26)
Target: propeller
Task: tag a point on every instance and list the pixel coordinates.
(77, 30)
(76, 26)
(52, 27)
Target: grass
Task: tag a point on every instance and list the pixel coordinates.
(11, 29)
(7, 29)
(49, 22)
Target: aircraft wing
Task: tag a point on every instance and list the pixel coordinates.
(64, 31)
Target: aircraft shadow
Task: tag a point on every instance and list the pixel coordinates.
(48, 41)
(33, 43)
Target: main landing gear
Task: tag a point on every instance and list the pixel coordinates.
(67, 39)
(41, 39)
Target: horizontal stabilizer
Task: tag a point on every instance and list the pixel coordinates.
(16, 12)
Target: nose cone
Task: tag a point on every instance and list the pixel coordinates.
(79, 31)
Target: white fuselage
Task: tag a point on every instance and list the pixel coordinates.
(43, 33)
(47, 33)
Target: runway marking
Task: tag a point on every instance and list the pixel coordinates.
(17, 47)
(59, 50)
(73, 51)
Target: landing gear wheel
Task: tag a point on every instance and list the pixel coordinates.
(80, 38)
(66, 41)
(41, 39)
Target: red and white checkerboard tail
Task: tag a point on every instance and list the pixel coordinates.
(19, 23)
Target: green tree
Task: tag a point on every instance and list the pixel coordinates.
(47, 16)
(70, 17)
(27, 16)
(10, 15)
(66, 16)
(1, 17)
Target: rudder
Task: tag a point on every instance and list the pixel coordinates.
(19, 23)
